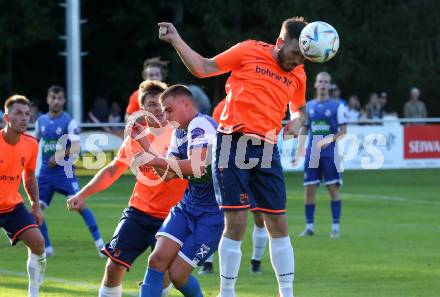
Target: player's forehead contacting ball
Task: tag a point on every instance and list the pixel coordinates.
(319, 42)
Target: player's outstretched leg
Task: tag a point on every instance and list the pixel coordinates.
(281, 253)
(36, 263)
(91, 223)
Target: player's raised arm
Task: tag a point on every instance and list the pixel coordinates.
(196, 64)
(101, 181)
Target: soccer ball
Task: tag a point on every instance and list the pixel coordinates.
(318, 42)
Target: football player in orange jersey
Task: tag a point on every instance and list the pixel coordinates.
(149, 203)
(18, 156)
(247, 170)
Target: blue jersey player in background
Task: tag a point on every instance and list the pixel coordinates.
(326, 123)
(52, 177)
(192, 230)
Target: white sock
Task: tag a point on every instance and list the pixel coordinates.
(110, 292)
(281, 255)
(229, 252)
(259, 239)
(335, 226)
(36, 265)
(309, 226)
(166, 291)
(210, 259)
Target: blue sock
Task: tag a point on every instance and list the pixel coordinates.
(90, 221)
(45, 232)
(310, 213)
(191, 288)
(336, 210)
(153, 284)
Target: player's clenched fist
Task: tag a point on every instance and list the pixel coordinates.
(167, 32)
(75, 203)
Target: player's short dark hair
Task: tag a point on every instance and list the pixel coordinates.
(157, 62)
(293, 27)
(175, 91)
(55, 89)
(20, 99)
(150, 88)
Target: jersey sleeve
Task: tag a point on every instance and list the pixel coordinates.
(133, 103)
(173, 150)
(231, 58)
(342, 114)
(122, 159)
(31, 164)
(201, 133)
(73, 131)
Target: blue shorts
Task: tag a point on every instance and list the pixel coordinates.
(16, 222)
(49, 183)
(325, 169)
(198, 236)
(134, 234)
(241, 185)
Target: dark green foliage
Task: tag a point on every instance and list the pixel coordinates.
(385, 45)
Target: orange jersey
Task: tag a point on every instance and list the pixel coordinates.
(14, 159)
(216, 114)
(151, 195)
(258, 90)
(133, 103)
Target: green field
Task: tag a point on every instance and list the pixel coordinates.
(390, 243)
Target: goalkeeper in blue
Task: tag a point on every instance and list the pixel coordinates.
(59, 134)
(326, 124)
(193, 228)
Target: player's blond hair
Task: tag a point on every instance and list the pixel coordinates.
(150, 88)
(19, 99)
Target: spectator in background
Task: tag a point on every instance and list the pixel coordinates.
(100, 112)
(414, 108)
(354, 109)
(35, 112)
(115, 117)
(373, 108)
(383, 99)
(335, 93)
(153, 69)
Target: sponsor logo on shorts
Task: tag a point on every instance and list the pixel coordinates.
(201, 253)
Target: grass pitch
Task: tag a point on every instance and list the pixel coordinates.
(390, 243)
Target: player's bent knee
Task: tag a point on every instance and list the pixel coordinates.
(158, 261)
(37, 244)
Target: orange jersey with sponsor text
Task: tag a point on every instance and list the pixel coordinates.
(152, 195)
(258, 90)
(216, 114)
(133, 103)
(14, 159)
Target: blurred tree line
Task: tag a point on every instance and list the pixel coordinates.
(386, 45)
